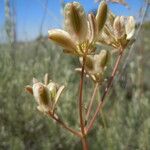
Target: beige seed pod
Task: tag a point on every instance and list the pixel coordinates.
(46, 79)
(119, 27)
(104, 57)
(62, 38)
(89, 63)
(130, 27)
(76, 21)
(93, 31)
(110, 17)
(52, 88)
(59, 92)
(101, 15)
(40, 93)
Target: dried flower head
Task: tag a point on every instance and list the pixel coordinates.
(96, 65)
(81, 32)
(46, 95)
(118, 31)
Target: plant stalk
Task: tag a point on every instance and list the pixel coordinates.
(60, 122)
(91, 101)
(101, 102)
(84, 143)
(82, 125)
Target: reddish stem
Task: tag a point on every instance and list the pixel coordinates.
(84, 143)
(91, 101)
(82, 125)
(64, 125)
(80, 99)
(101, 102)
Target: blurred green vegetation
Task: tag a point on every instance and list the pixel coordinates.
(125, 121)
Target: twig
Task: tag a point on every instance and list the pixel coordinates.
(80, 98)
(64, 125)
(83, 139)
(91, 101)
(101, 102)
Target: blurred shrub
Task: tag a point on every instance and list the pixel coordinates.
(125, 123)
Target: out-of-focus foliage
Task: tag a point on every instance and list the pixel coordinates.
(125, 123)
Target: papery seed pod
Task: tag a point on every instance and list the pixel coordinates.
(89, 63)
(101, 60)
(46, 79)
(40, 93)
(119, 27)
(130, 27)
(52, 87)
(59, 91)
(104, 58)
(101, 15)
(76, 21)
(62, 38)
(106, 35)
(110, 17)
(93, 31)
(123, 41)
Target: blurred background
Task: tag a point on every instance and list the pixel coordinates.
(26, 52)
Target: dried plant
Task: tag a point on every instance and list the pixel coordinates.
(80, 37)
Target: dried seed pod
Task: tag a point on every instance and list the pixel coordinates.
(75, 21)
(93, 32)
(46, 79)
(40, 93)
(62, 38)
(59, 91)
(95, 65)
(130, 27)
(101, 15)
(110, 17)
(104, 58)
(46, 95)
(119, 27)
(89, 63)
(52, 87)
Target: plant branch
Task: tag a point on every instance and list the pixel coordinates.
(84, 143)
(80, 99)
(82, 125)
(101, 102)
(91, 101)
(60, 122)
